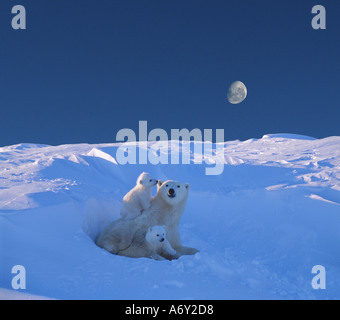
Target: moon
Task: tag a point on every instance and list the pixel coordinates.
(237, 92)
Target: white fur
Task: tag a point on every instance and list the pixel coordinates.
(139, 198)
(150, 244)
(166, 209)
(158, 244)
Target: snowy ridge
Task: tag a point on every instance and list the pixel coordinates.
(261, 225)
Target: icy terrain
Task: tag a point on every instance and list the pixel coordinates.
(260, 226)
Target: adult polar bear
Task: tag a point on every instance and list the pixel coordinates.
(166, 209)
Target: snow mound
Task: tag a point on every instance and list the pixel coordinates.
(100, 154)
(260, 226)
(288, 136)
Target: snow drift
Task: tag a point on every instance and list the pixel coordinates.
(260, 226)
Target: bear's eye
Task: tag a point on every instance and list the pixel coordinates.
(150, 180)
(157, 235)
(178, 186)
(167, 185)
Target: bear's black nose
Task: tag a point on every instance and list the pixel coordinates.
(171, 191)
(161, 240)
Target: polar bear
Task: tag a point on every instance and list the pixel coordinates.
(150, 243)
(166, 209)
(139, 198)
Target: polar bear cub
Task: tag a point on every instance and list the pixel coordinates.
(158, 244)
(150, 244)
(139, 198)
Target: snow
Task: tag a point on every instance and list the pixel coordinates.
(288, 136)
(16, 295)
(260, 226)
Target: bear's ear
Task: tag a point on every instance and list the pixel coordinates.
(140, 178)
(159, 184)
(187, 186)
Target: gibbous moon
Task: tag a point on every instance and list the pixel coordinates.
(237, 92)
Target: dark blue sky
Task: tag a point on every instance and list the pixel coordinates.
(85, 69)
